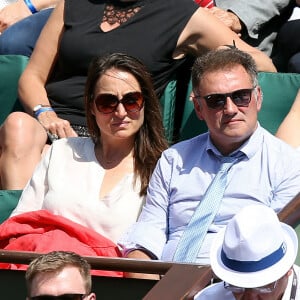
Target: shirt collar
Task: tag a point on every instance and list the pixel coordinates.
(249, 148)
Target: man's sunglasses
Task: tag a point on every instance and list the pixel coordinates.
(266, 289)
(60, 297)
(107, 103)
(240, 98)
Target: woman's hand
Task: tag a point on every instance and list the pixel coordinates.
(13, 13)
(55, 125)
(228, 18)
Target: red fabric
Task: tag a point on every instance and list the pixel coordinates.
(205, 3)
(41, 231)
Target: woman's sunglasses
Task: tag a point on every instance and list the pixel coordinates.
(108, 103)
(240, 98)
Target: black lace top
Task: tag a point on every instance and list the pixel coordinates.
(148, 30)
(120, 12)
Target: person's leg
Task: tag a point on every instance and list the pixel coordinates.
(21, 37)
(22, 140)
(288, 130)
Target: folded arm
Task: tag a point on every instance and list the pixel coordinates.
(205, 32)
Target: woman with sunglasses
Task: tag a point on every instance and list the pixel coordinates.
(100, 181)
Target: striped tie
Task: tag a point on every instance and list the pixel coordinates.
(193, 236)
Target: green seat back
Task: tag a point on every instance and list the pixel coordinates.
(11, 67)
(8, 201)
(190, 124)
(279, 91)
(167, 102)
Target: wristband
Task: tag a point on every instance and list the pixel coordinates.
(41, 110)
(30, 6)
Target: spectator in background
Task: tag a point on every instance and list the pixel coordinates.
(226, 95)
(163, 35)
(289, 42)
(21, 22)
(59, 275)
(257, 22)
(288, 130)
(254, 257)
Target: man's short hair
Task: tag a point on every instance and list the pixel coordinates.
(222, 59)
(56, 261)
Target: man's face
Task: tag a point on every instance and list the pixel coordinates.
(276, 294)
(66, 281)
(231, 125)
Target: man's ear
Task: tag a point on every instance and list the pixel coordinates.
(259, 97)
(290, 272)
(197, 107)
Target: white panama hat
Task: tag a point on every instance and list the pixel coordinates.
(254, 249)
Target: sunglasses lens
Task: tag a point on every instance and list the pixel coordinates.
(215, 101)
(106, 103)
(133, 102)
(241, 97)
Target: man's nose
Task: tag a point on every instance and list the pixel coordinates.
(249, 294)
(230, 107)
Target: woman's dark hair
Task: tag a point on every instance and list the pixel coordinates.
(150, 139)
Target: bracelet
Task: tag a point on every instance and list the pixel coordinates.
(41, 110)
(31, 6)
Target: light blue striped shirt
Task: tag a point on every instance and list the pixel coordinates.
(269, 173)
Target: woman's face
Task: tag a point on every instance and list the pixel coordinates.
(119, 123)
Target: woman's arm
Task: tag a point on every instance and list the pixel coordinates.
(289, 129)
(204, 32)
(32, 90)
(32, 82)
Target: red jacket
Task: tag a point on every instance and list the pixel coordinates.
(41, 231)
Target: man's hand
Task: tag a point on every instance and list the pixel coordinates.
(138, 254)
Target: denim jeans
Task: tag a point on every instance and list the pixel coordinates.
(20, 38)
